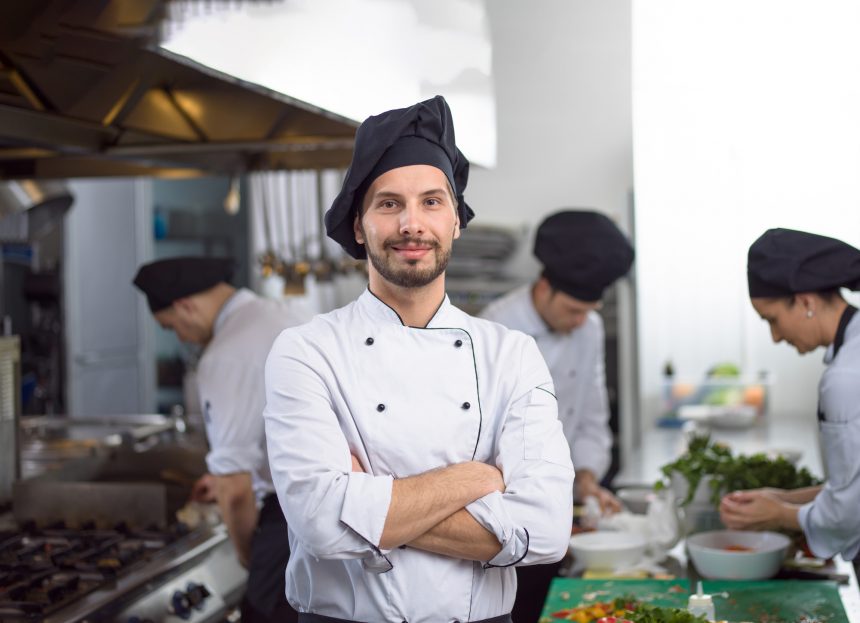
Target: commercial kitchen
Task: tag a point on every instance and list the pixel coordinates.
(139, 130)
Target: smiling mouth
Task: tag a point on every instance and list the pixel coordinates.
(411, 249)
(412, 253)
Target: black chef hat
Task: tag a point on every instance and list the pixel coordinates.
(582, 252)
(783, 262)
(165, 281)
(420, 134)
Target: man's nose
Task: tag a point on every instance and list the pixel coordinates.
(411, 221)
(777, 338)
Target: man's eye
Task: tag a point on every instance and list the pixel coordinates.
(390, 203)
(433, 202)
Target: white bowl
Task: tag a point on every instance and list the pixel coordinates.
(636, 499)
(607, 549)
(713, 561)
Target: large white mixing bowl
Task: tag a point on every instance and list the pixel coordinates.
(714, 558)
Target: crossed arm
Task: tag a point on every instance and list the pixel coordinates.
(427, 511)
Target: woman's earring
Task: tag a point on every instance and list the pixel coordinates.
(809, 313)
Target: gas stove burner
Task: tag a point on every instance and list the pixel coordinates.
(41, 571)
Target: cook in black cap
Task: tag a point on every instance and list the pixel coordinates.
(389, 420)
(582, 253)
(192, 296)
(794, 284)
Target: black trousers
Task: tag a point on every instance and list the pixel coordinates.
(264, 599)
(532, 587)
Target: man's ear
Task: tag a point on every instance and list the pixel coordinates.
(543, 287)
(184, 304)
(807, 300)
(356, 228)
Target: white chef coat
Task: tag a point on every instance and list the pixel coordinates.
(576, 362)
(231, 387)
(831, 522)
(405, 400)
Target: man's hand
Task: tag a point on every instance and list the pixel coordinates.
(203, 491)
(758, 509)
(586, 485)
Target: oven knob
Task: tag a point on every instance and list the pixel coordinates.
(197, 594)
(180, 605)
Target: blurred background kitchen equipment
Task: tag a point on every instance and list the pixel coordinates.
(49, 442)
(10, 410)
(98, 539)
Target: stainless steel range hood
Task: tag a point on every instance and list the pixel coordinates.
(86, 91)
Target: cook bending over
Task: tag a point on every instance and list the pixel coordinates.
(794, 284)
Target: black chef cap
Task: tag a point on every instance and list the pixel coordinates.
(420, 134)
(165, 281)
(783, 262)
(582, 252)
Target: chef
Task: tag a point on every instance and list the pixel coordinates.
(415, 450)
(794, 284)
(192, 296)
(582, 253)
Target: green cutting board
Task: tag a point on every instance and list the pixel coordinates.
(777, 601)
(573, 592)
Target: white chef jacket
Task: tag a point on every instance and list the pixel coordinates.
(231, 387)
(831, 522)
(405, 400)
(576, 362)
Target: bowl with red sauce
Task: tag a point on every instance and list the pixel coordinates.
(737, 554)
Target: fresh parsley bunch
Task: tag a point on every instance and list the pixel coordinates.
(730, 473)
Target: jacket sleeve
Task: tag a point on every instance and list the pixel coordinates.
(591, 439)
(334, 512)
(231, 395)
(532, 519)
(831, 522)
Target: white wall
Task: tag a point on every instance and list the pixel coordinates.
(562, 84)
(562, 72)
(746, 117)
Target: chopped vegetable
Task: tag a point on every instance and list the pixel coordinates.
(645, 613)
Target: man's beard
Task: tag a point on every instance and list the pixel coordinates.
(409, 276)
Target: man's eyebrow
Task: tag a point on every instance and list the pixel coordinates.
(434, 191)
(384, 194)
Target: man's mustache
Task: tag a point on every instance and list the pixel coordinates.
(417, 242)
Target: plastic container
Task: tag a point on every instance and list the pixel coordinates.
(701, 604)
(730, 401)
